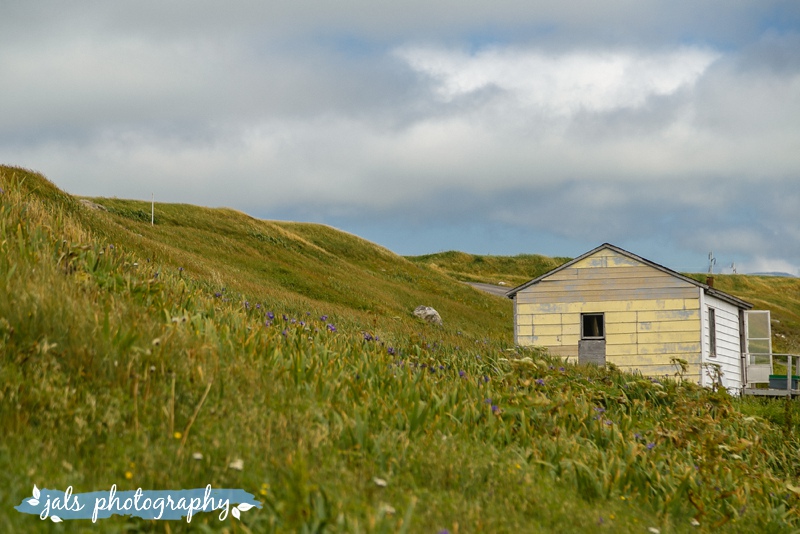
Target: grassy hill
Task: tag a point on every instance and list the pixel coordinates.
(283, 358)
(500, 270)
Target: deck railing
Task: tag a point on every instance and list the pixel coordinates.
(763, 369)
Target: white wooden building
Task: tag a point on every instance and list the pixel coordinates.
(612, 306)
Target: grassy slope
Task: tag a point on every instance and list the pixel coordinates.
(105, 367)
(504, 270)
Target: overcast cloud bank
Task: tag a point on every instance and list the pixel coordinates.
(669, 129)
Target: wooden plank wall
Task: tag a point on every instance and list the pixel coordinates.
(650, 316)
(728, 342)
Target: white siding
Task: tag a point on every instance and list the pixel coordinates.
(728, 356)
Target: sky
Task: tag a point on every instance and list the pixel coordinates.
(668, 128)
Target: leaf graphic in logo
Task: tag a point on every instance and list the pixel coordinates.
(235, 512)
(244, 507)
(33, 502)
(36, 492)
(55, 519)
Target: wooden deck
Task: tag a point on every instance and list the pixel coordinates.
(770, 392)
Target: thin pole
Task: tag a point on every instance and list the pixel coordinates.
(153, 210)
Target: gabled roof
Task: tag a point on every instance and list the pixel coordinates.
(706, 288)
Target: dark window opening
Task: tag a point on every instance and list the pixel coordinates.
(592, 326)
(712, 332)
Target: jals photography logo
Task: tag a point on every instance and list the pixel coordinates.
(151, 504)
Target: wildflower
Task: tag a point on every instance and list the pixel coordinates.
(218, 294)
(495, 409)
(302, 323)
(485, 378)
(462, 374)
(608, 422)
(539, 381)
(128, 475)
(331, 327)
(237, 464)
(390, 350)
(637, 436)
(381, 483)
(487, 401)
(323, 318)
(561, 369)
(293, 321)
(267, 323)
(197, 456)
(284, 317)
(180, 269)
(246, 305)
(368, 336)
(177, 435)
(258, 306)
(599, 409)
(270, 315)
(285, 332)
(650, 446)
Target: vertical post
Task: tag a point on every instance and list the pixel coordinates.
(789, 374)
(153, 210)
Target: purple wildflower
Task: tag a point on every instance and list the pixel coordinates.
(218, 294)
(637, 436)
(284, 317)
(561, 369)
(485, 378)
(600, 409)
(608, 422)
(323, 318)
(293, 320)
(302, 323)
(331, 327)
(267, 323)
(390, 350)
(368, 336)
(495, 409)
(285, 332)
(462, 374)
(487, 401)
(246, 305)
(540, 381)
(258, 306)
(180, 269)
(270, 315)
(650, 446)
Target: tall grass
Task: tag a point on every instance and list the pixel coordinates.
(170, 373)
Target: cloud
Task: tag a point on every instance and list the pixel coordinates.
(584, 122)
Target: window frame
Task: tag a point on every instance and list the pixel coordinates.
(712, 332)
(602, 317)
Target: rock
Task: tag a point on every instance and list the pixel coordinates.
(428, 314)
(92, 205)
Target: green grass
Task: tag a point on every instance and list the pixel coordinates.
(499, 270)
(127, 348)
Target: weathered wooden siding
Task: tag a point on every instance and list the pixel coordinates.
(650, 316)
(728, 355)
